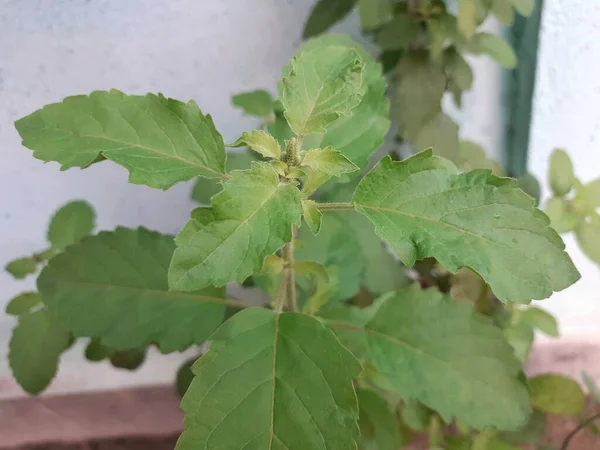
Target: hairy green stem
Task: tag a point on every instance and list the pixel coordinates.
(581, 426)
(336, 206)
(289, 275)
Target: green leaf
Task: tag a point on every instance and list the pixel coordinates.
(70, 224)
(459, 69)
(184, 377)
(23, 303)
(561, 218)
(496, 47)
(160, 141)
(467, 17)
(416, 415)
(128, 359)
(532, 432)
(503, 10)
(440, 134)
(592, 387)
(398, 33)
(473, 156)
(424, 208)
(257, 103)
(379, 428)
(323, 84)
(523, 7)
(250, 218)
(343, 320)
(35, 348)
(272, 381)
(541, 320)
(561, 173)
(588, 238)
(329, 161)
(325, 14)
(324, 284)
(312, 215)
(440, 353)
(520, 337)
(590, 193)
(113, 286)
(375, 13)
(531, 186)
(96, 351)
(21, 267)
(556, 394)
(260, 142)
(467, 286)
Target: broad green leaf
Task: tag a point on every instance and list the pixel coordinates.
(280, 129)
(21, 267)
(398, 33)
(561, 218)
(467, 17)
(343, 320)
(375, 13)
(592, 387)
(325, 14)
(556, 394)
(473, 156)
(323, 84)
(540, 320)
(128, 359)
(70, 224)
(588, 238)
(160, 141)
(503, 10)
(257, 103)
(35, 348)
(113, 287)
(523, 7)
(444, 355)
(23, 303)
(329, 161)
(561, 173)
(312, 215)
(260, 142)
(250, 218)
(184, 377)
(441, 135)
(496, 47)
(424, 208)
(272, 381)
(379, 427)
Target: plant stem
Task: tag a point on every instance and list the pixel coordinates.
(289, 275)
(581, 426)
(336, 206)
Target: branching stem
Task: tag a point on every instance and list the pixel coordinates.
(336, 206)
(581, 426)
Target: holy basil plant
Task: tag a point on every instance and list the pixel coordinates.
(350, 347)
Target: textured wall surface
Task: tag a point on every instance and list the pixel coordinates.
(201, 50)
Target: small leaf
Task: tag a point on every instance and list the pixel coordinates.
(128, 359)
(561, 173)
(541, 320)
(160, 141)
(473, 156)
(441, 135)
(313, 181)
(319, 274)
(424, 208)
(260, 142)
(35, 348)
(520, 337)
(325, 14)
(96, 351)
(467, 17)
(257, 103)
(21, 267)
(23, 303)
(496, 47)
(523, 7)
(459, 69)
(503, 10)
(588, 238)
(272, 381)
(329, 161)
(556, 394)
(70, 224)
(376, 417)
(416, 415)
(592, 387)
(312, 215)
(467, 286)
(250, 218)
(398, 33)
(184, 377)
(273, 264)
(531, 186)
(561, 219)
(375, 13)
(440, 353)
(590, 193)
(323, 84)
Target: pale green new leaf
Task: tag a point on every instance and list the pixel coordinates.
(323, 84)
(323, 282)
(312, 215)
(35, 348)
(280, 382)
(379, 426)
(496, 47)
(556, 394)
(523, 7)
(254, 103)
(113, 286)
(458, 68)
(70, 224)
(561, 173)
(329, 161)
(588, 238)
(503, 10)
(561, 218)
(375, 13)
(23, 303)
(590, 194)
(21, 267)
(467, 17)
(473, 156)
(441, 135)
(260, 142)
(424, 208)
(325, 14)
(539, 319)
(250, 218)
(453, 360)
(160, 141)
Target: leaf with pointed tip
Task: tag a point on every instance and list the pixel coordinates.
(35, 348)
(272, 381)
(312, 215)
(379, 427)
(254, 103)
(250, 218)
(260, 142)
(444, 355)
(23, 303)
(323, 84)
(424, 208)
(160, 141)
(21, 267)
(70, 224)
(539, 319)
(496, 47)
(113, 286)
(329, 161)
(325, 14)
